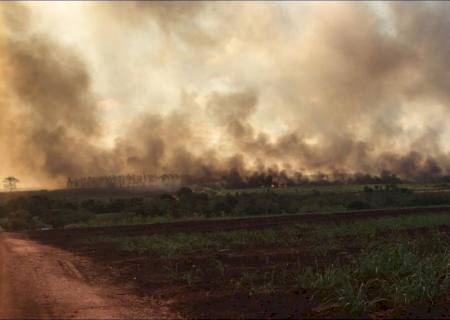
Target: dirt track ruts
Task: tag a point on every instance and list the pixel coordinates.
(39, 281)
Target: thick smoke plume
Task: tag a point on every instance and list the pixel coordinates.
(227, 90)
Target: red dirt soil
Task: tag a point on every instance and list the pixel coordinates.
(41, 281)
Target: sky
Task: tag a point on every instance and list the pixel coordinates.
(199, 88)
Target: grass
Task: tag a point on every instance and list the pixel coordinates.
(131, 218)
(390, 273)
(189, 276)
(179, 244)
(387, 275)
(389, 270)
(119, 219)
(383, 224)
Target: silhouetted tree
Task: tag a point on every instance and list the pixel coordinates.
(10, 183)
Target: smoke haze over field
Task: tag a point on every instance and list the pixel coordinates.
(199, 88)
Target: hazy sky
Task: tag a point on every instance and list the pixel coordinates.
(155, 87)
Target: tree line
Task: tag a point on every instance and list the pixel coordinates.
(121, 181)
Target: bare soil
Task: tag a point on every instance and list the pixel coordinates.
(51, 274)
(39, 281)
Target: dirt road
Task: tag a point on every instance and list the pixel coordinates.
(40, 281)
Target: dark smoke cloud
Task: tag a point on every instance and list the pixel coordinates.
(49, 101)
(344, 89)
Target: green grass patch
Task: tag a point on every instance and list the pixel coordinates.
(121, 219)
(382, 224)
(170, 246)
(389, 273)
(179, 244)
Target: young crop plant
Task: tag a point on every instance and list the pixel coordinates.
(189, 276)
(219, 266)
(394, 274)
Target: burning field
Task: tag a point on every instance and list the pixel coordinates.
(225, 159)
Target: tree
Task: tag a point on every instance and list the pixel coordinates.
(185, 192)
(10, 183)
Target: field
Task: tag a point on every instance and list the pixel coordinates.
(102, 207)
(382, 253)
(379, 265)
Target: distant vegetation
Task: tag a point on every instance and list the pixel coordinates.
(43, 210)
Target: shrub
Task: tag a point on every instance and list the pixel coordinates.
(184, 192)
(61, 217)
(358, 205)
(19, 220)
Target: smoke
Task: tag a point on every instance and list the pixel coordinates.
(48, 110)
(292, 89)
(177, 19)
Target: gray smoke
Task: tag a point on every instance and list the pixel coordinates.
(351, 92)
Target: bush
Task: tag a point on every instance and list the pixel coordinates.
(184, 192)
(61, 217)
(358, 205)
(19, 220)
